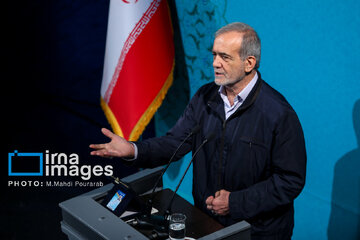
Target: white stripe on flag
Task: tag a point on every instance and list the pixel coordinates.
(123, 18)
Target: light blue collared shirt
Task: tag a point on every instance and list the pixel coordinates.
(239, 99)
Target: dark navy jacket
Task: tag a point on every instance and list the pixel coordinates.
(258, 155)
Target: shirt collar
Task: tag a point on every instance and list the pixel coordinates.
(244, 93)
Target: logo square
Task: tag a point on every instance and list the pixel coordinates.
(25, 164)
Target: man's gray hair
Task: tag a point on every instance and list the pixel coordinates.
(250, 46)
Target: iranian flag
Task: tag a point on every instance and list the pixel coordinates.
(139, 63)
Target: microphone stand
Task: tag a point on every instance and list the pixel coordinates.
(168, 209)
(159, 223)
(150, 201)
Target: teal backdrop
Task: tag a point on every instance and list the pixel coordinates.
(310, 53)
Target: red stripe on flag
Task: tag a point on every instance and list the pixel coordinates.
(144, 72)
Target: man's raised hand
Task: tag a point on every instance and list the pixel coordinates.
(117, 147)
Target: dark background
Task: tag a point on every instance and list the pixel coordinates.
(54, 53)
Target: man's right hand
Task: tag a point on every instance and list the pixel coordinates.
(117, 147)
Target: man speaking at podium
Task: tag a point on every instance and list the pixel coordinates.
(255, 166)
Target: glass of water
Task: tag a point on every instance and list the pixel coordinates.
(177, 226)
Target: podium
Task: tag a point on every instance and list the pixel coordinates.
(83, 217)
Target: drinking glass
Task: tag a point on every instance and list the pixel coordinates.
(177, 226)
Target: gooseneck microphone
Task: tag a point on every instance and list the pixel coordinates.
(195, 130)
(159, 223)
(210, 137)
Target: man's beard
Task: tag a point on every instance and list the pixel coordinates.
(227, 81)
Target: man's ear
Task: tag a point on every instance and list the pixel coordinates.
(250, 63)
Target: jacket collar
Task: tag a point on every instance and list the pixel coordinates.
(217, 104)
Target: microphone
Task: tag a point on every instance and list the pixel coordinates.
(195, 130)
(210, 137)
(159, 223)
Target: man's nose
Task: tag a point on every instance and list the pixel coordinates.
(216, 62)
